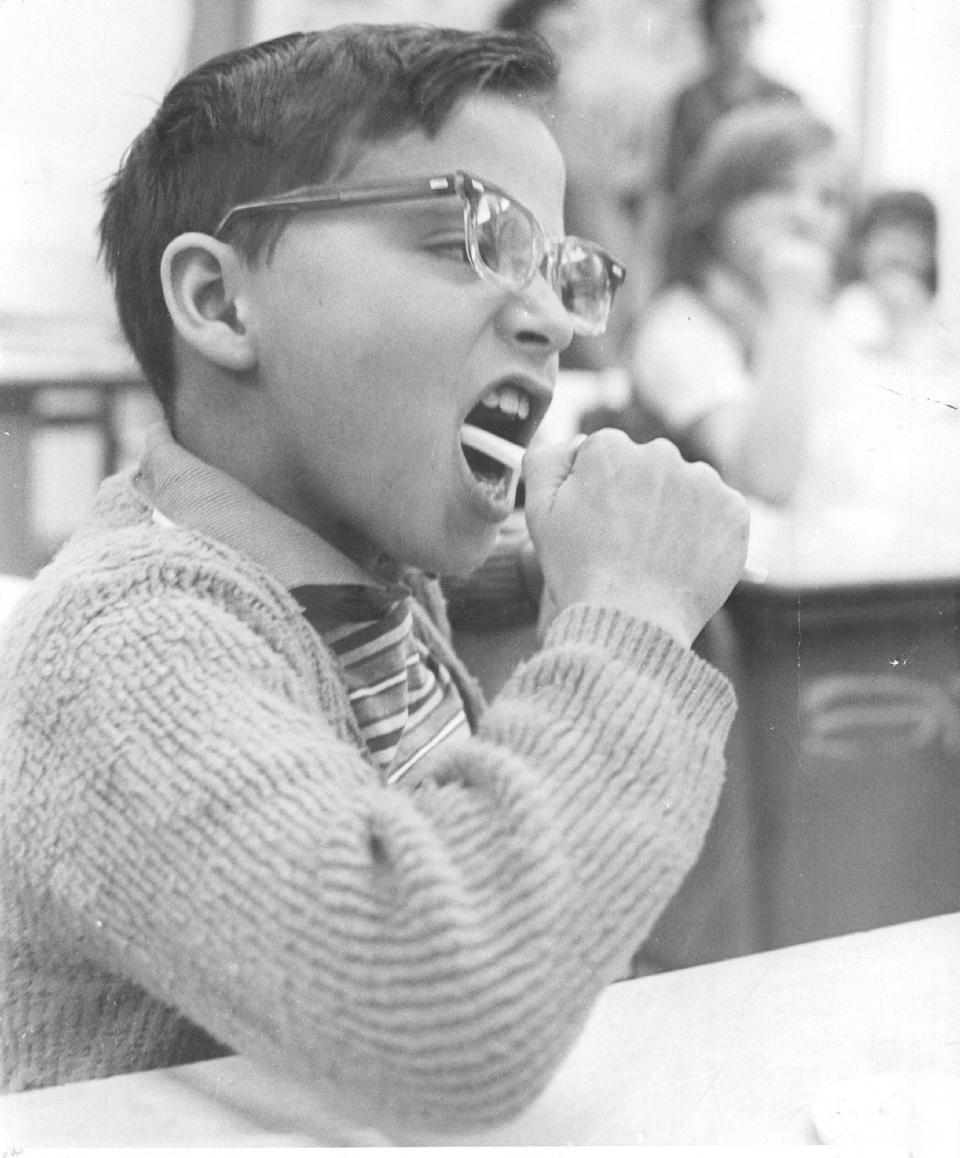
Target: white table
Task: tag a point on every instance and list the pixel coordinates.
(12, 587)
(731, 1053)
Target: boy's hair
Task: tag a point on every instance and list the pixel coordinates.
(746, 152)
(292, 111)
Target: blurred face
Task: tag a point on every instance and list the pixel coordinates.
(733, 30)
(806, 203)
(897, 261)
(376, 341)
(566, 27)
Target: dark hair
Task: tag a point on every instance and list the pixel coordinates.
(908, 208)
(287, 112)
(524, 15)
(745, 152)
(709, 13)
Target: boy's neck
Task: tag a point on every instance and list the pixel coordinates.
(220, 422)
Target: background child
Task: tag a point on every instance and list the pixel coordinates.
(251, 799)
(731, 355)
(888, 306)
(731, 80)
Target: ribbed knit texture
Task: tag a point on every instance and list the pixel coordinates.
(195, 851)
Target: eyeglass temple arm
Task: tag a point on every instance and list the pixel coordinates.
(306, 199)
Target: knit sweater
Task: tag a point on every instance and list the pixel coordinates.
(198, 857)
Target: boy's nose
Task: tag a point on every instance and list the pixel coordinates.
(537, 318)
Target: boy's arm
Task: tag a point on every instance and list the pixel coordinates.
(213, 836)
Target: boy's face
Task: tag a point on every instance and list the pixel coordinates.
(375, 340)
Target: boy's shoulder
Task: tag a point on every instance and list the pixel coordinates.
(122, 545)
(120, 559)
(123, 569)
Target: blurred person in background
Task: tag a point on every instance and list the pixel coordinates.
(607, 121)
(730, 356)
(730, 81)
(888, 306)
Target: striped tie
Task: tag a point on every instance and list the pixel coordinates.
(404, 700)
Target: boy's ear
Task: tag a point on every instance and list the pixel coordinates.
(201, 278)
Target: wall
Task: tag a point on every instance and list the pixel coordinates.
(817, 46)
(78, 79)
(916, 91)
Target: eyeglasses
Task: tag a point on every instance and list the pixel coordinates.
(505, 243)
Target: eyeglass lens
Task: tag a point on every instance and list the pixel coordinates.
(511, 246)
(584, 284)
(507, 239)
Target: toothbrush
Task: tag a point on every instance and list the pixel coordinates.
(493, 446)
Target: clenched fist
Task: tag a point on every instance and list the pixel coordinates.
(635, 527)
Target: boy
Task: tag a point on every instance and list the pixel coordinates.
(252, 801)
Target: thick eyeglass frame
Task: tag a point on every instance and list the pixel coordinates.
(555, 259)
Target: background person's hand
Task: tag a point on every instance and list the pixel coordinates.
(796, 269)
(636, 527)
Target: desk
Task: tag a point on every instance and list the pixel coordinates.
(841, 810)
(730, 1053)
(54, 374)
(850, 698)
(849, 681)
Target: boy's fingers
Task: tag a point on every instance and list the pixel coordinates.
(547, 464)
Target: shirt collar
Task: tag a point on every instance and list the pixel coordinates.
(192, 493)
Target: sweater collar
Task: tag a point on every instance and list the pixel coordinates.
(189, 492)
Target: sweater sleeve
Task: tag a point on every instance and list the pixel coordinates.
(212, 834)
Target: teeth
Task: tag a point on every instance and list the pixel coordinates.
(509, 400)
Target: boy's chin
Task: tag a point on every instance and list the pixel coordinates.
(447, 560)
(457, 561)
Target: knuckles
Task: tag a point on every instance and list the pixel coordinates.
(614, 452)
(610, 464)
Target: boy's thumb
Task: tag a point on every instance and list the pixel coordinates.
(546, 465)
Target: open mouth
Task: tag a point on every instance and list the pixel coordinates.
(494, 437)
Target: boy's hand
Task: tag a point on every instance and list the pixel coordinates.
(634, 527)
